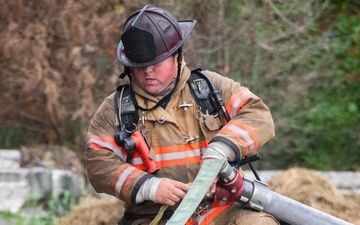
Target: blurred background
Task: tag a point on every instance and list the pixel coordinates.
(58, 62)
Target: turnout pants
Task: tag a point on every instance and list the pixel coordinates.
(233, 214)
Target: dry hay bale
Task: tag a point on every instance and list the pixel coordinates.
(353, 200)
(94, 211)
(305, 186)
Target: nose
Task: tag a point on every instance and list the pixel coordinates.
(149, 69)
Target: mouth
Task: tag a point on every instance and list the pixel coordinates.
(150, 81)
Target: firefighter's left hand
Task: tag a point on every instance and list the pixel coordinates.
(217, 150)
(170, 192)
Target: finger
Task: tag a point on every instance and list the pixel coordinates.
(170, 203)
(211, 189)
(175, 198)
(172, 200)
(182, 186)
(179, 193)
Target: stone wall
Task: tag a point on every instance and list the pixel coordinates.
(19, 185)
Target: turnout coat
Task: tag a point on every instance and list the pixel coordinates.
(178, 136)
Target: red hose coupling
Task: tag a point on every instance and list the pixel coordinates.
(232, 190)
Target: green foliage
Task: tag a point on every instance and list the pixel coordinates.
(74, 131)
(58, 206)
(331, 128)
(20, 219)
(347, 46)
(54, 208)
(318, 121)
(11, 137)
(258, 57)
(330, 133)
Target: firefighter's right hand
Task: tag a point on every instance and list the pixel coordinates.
(217, 150)
(162, 191)
(170, 192)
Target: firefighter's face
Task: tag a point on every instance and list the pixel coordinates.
(156, 78)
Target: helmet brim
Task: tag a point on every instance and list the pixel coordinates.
(186, 26)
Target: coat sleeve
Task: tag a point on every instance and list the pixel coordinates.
(106, 164)
(251, 124)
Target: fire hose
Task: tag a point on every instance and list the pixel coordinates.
(231, 186)
(254, 194)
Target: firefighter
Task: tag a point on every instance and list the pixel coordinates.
(178, 134)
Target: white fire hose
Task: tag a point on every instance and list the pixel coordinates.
(253, 194)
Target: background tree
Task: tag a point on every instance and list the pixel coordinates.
(58, 62)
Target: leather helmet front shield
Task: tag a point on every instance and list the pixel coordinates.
(139, 45)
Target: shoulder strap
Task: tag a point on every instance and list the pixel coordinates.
(200, 87)
(125, 109)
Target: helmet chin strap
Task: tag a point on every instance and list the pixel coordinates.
(125, 73)
(162, 102)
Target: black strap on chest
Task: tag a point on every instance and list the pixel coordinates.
(126, 111)
(200, 88)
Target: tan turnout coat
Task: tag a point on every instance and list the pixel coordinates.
(178, 136)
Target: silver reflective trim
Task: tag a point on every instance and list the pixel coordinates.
(107, 145)
(122, 179)
(237, 103)
(169, 156)
(243, 133)
(136, 161)
(177, 155)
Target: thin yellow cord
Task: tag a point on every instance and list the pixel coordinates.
(160, 214)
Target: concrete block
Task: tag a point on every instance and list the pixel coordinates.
(345, 181)
(265, 175)
(9, 159)
(65, 180)
(39, 181)
(14, 191)
(20, 185)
